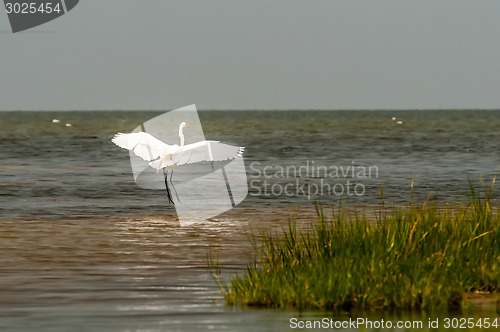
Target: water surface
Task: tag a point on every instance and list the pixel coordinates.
(83, 246)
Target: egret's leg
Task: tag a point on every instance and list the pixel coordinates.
(172, 173)
(173, 187)
(175, 193)
(165, 175)
(169, 196)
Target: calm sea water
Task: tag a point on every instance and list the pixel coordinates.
(82, 246)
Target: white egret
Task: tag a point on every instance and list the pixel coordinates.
(162, 155)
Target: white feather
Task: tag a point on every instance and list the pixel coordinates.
(143, 145)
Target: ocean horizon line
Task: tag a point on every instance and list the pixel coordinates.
(265, 110)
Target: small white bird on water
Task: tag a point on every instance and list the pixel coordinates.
(161, 155)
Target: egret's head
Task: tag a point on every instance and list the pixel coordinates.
(183, 125)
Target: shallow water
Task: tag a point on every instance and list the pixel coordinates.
(83, 246)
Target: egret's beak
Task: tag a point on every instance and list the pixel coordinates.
(187, 125)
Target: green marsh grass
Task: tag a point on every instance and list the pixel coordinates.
(418, 257)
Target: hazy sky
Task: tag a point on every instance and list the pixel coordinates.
(259, 54)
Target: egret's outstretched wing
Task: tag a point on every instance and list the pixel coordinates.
(206, 151)
(143, 144)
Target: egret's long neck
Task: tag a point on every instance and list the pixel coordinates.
(181, 135)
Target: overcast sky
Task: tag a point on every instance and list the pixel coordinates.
(259, 54)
